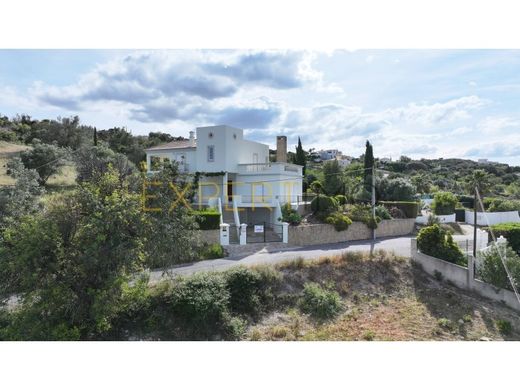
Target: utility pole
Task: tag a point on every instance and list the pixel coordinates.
(475, 223)
(374, 199)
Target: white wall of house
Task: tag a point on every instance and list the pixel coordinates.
(186, 158)
(245, 163)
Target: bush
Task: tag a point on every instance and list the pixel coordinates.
(245, 288)
(199, 303)
(341, 199)
(213, 251)
(290, 215)
(320, 303)
(511, 231)
(340, 221)
(208, 219)
(8, 135)
(363, 213)
(504, 327)
(382, 212)
(437, 242)
(503, 205)
(444, 203)
(399, 189)
(323, 204)
(396, 212)
(372, 222)
(491, 269)
(409, 209)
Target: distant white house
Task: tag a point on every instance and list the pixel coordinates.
(235, 173)
(329, 154)
(344, 161)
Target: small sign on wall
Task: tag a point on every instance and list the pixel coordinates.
(259, 228)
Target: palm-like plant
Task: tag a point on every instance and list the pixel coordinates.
(479, 180)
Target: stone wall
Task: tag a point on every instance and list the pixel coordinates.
(326, 234)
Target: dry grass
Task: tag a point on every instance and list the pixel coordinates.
(385, 298)
(7, 151)
(64, 179)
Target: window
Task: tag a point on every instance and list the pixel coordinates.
(211, 153)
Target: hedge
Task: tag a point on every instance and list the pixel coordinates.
(208, 219)
(511, 231)
(409, 209)
(466, 200)
(444, 203)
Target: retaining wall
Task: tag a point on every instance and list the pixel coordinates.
(326, 234)
(462, 277)
(423, 219)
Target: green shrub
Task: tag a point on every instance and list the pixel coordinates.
(320, 303)
(245, 289)
(491, 269)
(208, 219)
(373, 222)
(341, 199)
(8, 135)
(362, 213)
(504, 327)
(444, 203)
(509, 230)
(359, 212)
(340, 221)
(213, 251)
(323, 204)
(437, 242)
(290, 215)
(409, 209)
(199, 304)
(503, 205)
(382, 212)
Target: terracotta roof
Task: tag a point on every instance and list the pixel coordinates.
(174, 145)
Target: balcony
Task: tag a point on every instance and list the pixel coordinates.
(270, 168)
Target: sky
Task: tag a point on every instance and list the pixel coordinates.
(418, 103)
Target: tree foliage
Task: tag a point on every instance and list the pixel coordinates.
(299, 157)
(72, 263)
(333, 180)
(368, 165)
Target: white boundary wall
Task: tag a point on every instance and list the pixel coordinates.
(423, 219)
(493, 217)
(462, 277)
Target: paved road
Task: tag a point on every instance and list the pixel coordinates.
(399, 245)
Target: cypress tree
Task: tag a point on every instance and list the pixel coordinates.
(369, 163)
(299, 158)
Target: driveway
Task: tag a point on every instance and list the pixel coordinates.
(266, 255)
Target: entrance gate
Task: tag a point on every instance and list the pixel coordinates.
(264, 232)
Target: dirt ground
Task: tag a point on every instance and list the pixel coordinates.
(385, 298)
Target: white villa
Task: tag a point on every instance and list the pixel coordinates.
(235, 174)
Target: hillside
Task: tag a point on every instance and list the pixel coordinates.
(8, 150)
(384, 298)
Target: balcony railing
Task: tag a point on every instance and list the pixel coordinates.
(269, 168)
